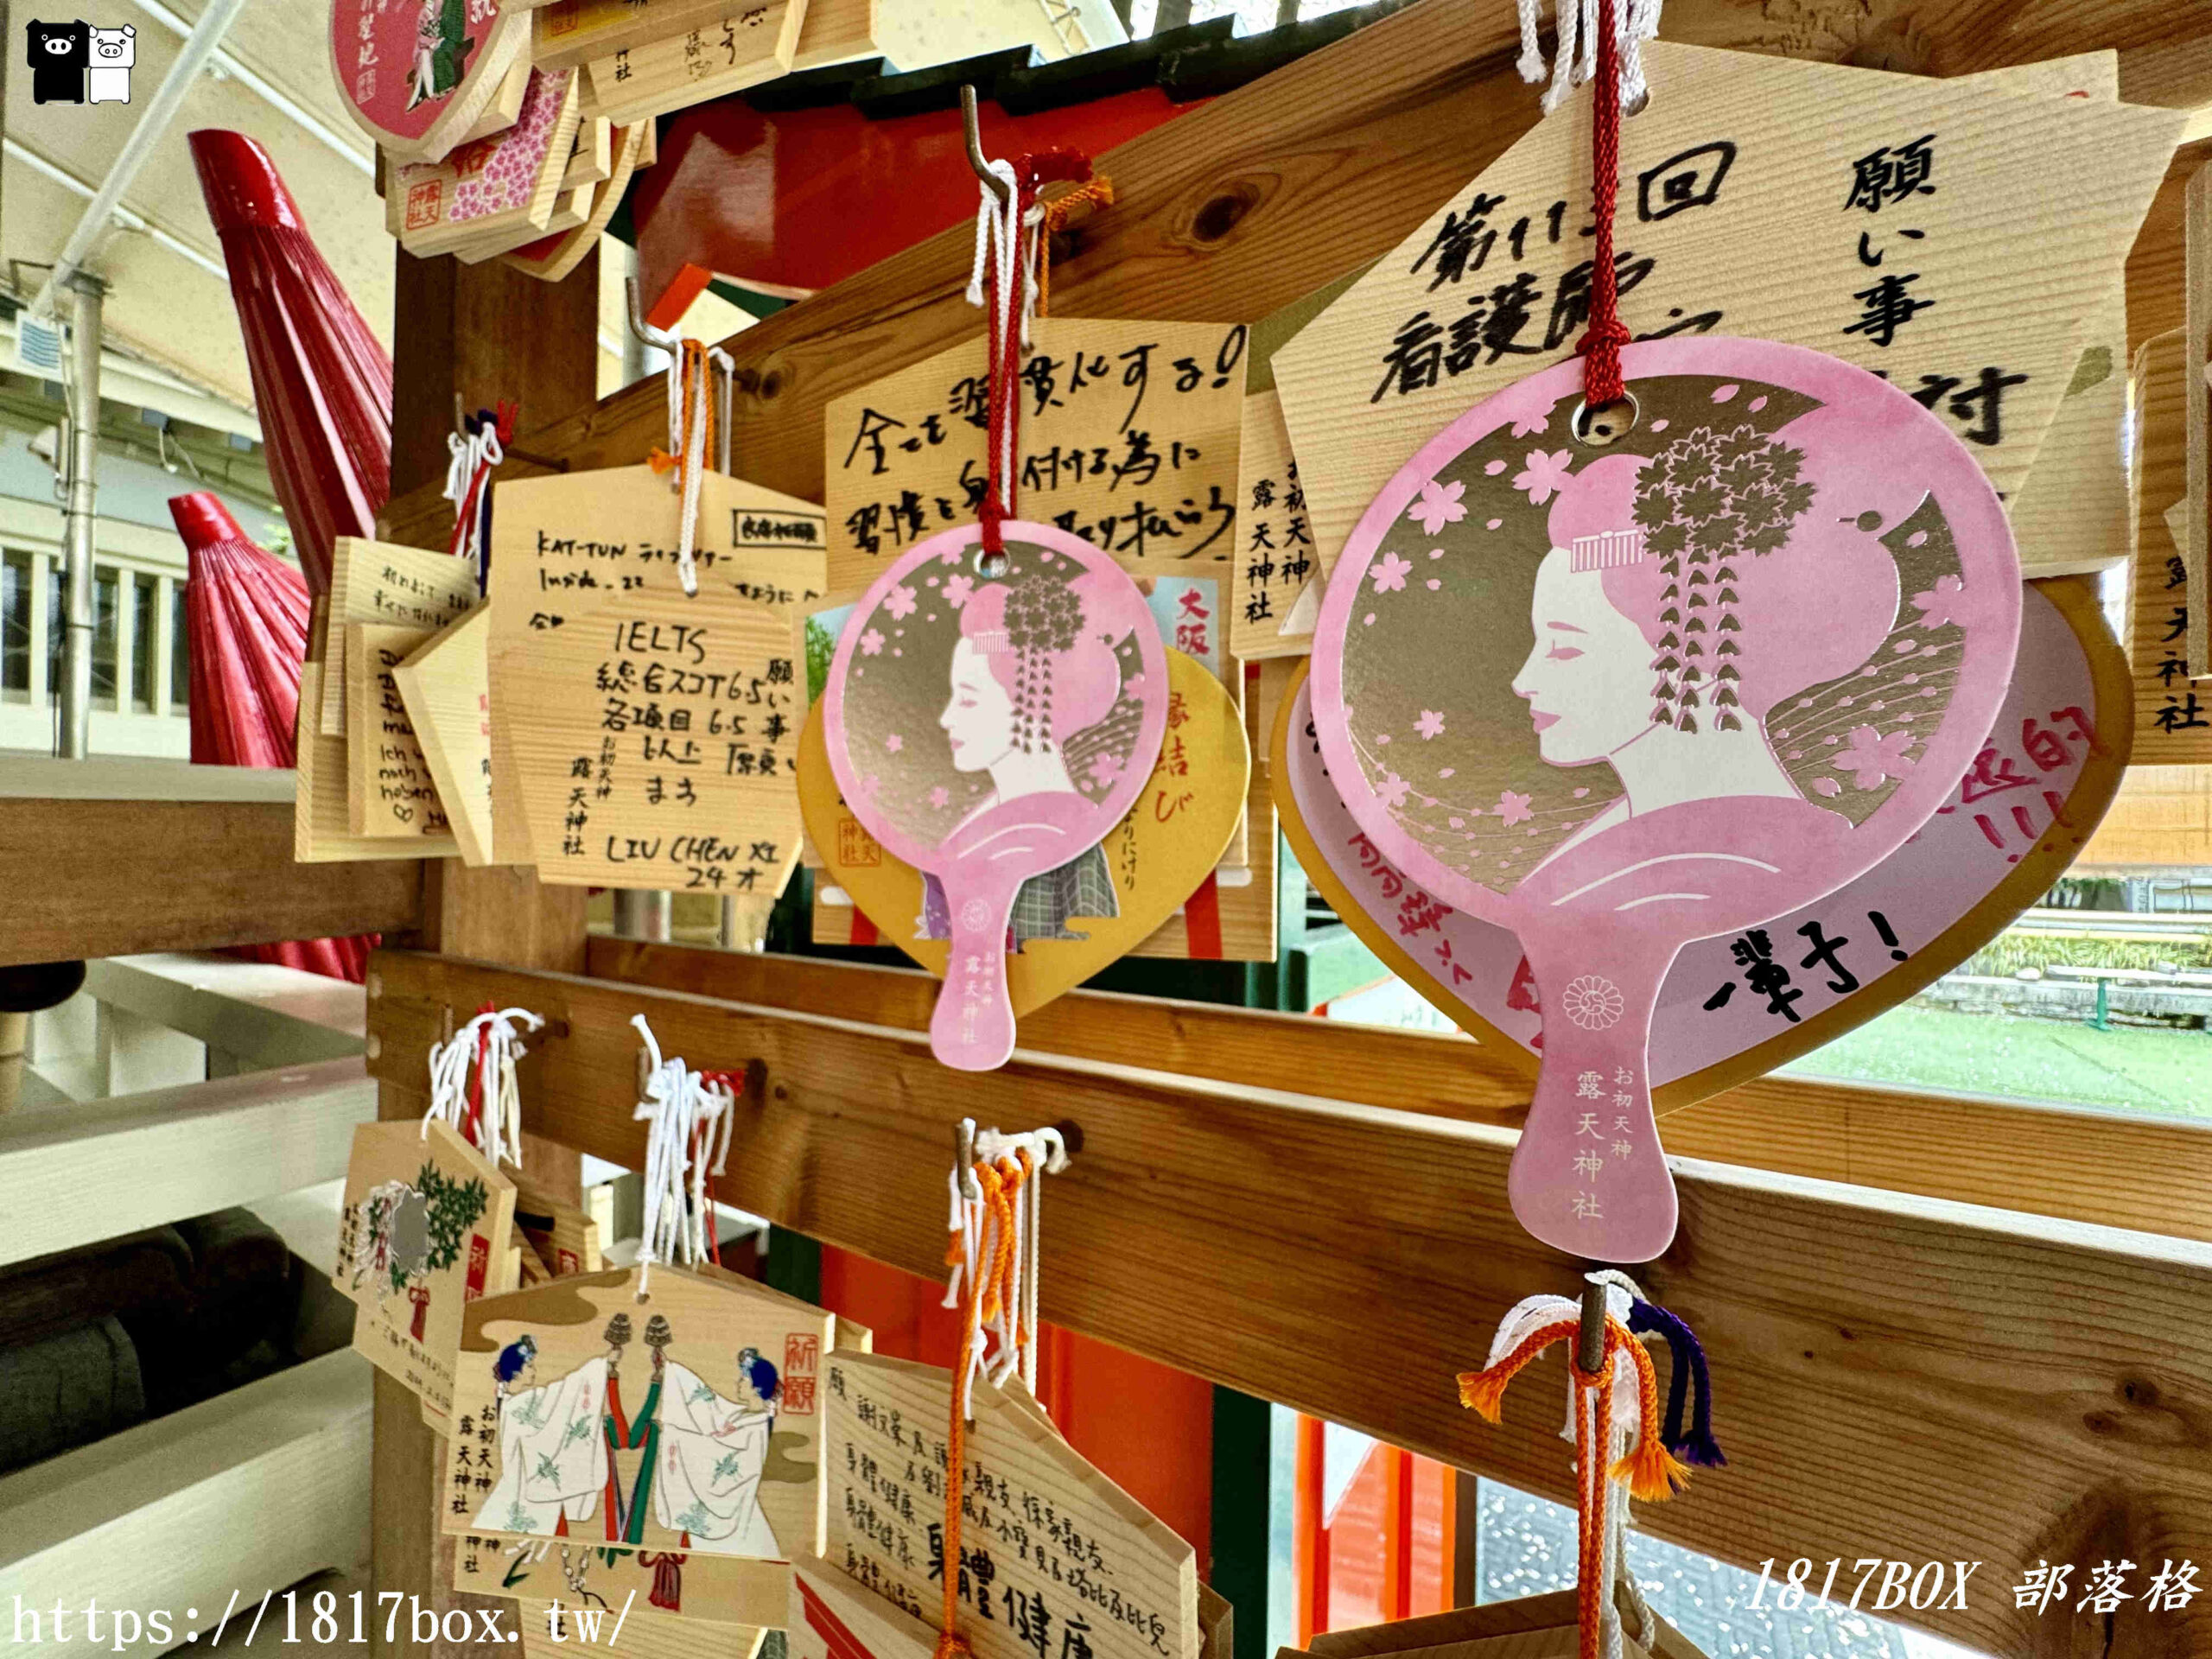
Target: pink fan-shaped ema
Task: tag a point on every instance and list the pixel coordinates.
(321, 382)
(245, 616)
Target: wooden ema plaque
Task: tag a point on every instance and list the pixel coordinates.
(1129, 440)
(445, 688)
(420, 78)
(685, 1418)
(393, 586)
(651, 735)
(422, 1234)
(1055, 1558)
(389, 787)
(503, 185)
(1152, 859)
(1883, 219)
(2020, 817)
(2173, 713)
(1276, 589)
(731, 47)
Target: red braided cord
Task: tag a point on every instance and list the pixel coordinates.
(1002, 381)
(1601, 346)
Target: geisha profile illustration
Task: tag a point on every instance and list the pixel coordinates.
(1618, 696)
(1018, 642)
(1667, 627)
(1738, 639)
(988, 719)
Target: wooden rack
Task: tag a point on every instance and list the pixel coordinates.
(1944, 1329)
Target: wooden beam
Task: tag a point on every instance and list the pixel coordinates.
(251, 1490)
(256, 1014)
(164, 1155)
(2141, 1172)
(1407, 1070)
(1897, 1375)
(1236, 208)
(97, 878)
(480, 333)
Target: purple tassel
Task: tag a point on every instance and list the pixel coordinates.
(1694, 1445)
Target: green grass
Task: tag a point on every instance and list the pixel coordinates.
(2135, 1069)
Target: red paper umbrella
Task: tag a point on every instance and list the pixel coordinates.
(321, 382)
(245, 616)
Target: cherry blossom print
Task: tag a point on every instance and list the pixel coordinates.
(1946, 602)
(894, 742)
(1827, 786)
(1431, 724)
(899, 601)
(508, 176)
(1514, 808)
(1105, 769)
(940, 796)
(1391, 792)
(1872, 758)
(1390, 573)
(957, 589)
(872, 642)
(1542, 476)
(1439, 505)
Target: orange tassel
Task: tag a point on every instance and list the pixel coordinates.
(1483, 1392)
(1653, 1473)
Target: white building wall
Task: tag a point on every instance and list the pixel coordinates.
(136, 536)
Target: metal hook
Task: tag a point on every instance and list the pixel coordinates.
(1590, 1336)
(644, 330)
(963, 1159)
(974, 134)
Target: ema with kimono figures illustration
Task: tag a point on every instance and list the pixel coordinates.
(657, 1423)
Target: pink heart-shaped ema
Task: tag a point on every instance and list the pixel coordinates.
(2037, 790)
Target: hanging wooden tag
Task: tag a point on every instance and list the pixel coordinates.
(988, 725)
(832, 1616)
(838, 31)
(1095, 1562)
(1124, 892)
(551, 259)
(2021, 816)
(1624, 698)
(385, 583)
(1277, 589)
(1883, 219)
(684, 1419)
(445, 689)
(423, 1236)
(490, 186)
(2173, 716)
(572, 32)
(1129, 440)
(419, 78)
(2196, 332)
(321, 825)
(389, 788)
(592, 160)
(593, 1575)
(741, 46)
(651, 735)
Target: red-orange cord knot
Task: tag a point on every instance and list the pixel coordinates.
(985, 1292)
(1651, 1470)
(1653, 1473)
